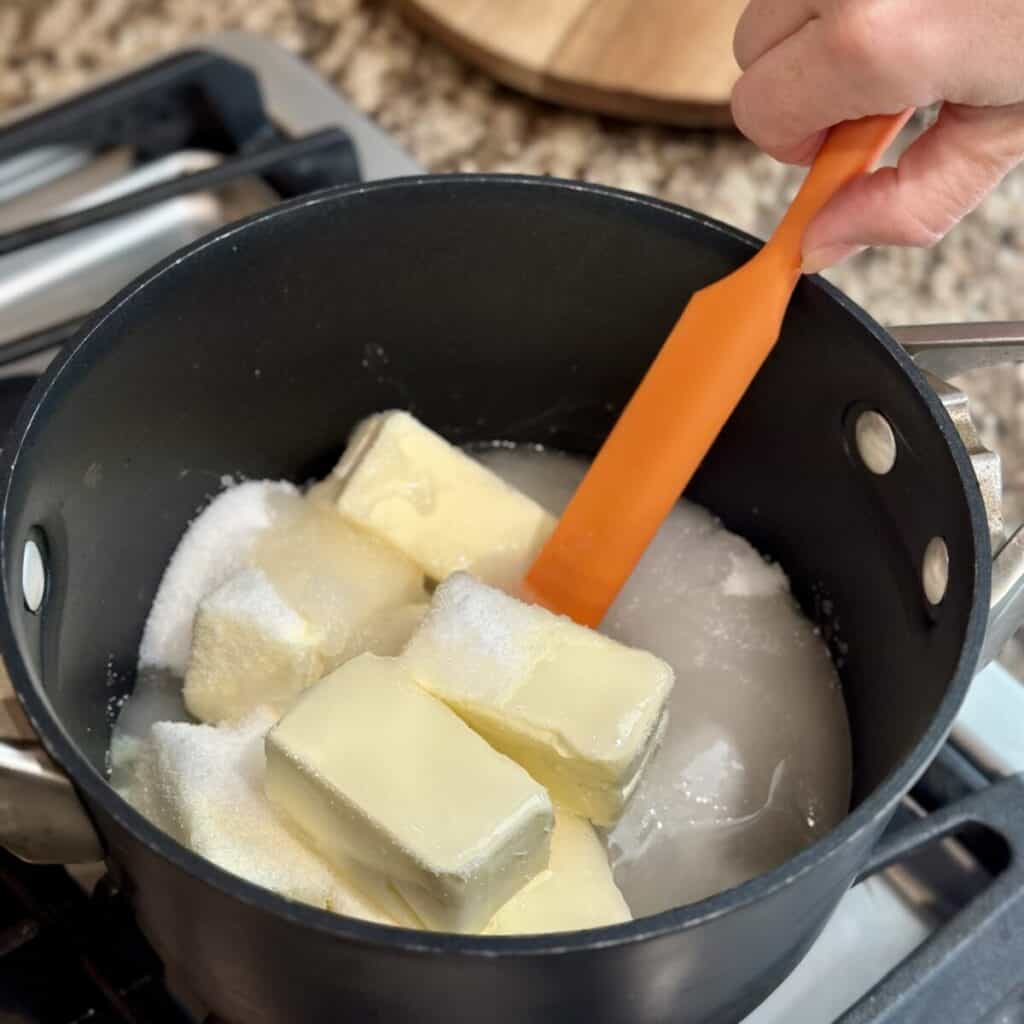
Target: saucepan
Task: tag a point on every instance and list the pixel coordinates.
(493, 307)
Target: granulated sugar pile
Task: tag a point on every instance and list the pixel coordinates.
(204, 786)
(213, 549)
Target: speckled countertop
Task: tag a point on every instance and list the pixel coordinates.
(454, 118)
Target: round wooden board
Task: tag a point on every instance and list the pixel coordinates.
(662, 60)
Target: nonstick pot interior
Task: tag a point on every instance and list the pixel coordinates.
(493, 308)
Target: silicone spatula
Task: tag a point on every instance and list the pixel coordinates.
(689, 392)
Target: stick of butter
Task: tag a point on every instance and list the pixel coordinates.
(204, 786)
(321, 577)
(335, 576)
(580, 712)
(406, 484)
(369, 766)
(387, 632)
(248, 648)
(321, 593)
(577, 891)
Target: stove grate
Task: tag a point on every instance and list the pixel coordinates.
(68, 958)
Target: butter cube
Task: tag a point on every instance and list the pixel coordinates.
(406, 484)
(370, 767)
(215, 547)
(322, 593)
(248, 648)
(576, 891)
(580, 712)
(387, 632)
(336, 577)
(204, 786)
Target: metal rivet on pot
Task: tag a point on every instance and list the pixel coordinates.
(935, 570)
(876, 443)
(33, 576)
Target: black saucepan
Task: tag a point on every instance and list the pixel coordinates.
(493, 307)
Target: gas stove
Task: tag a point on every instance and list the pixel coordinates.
(101, 186)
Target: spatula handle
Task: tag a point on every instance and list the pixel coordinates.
(689, 392)
(851, 149)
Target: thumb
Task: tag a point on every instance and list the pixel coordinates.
(943, 175)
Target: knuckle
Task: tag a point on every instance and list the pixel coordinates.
(992, 136)
(744, 104)
(744, 42)
(761, 120)
(922, 230)
(739, 46)
(863, 33)
(930, 213)
(1002, 152)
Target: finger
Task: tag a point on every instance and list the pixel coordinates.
(942, 177)
(828, 71)
(766, 23)
(821, 259)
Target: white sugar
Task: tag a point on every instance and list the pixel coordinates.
(334, 575)
(496, 636)
(250, 595)
(204, 786)
(212, 550)
(752, 576)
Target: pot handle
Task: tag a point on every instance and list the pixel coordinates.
(945, 350)
(951, 349)
(42, 821)
(969, 969)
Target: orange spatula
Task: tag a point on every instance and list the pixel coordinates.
(690, 390)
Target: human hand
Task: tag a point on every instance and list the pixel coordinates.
(809, 64)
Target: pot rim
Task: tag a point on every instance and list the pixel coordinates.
(98, 791)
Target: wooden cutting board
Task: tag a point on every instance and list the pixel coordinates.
(661, 60)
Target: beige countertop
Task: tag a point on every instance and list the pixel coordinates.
(454, 118)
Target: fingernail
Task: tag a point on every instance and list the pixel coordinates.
(817, 260)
